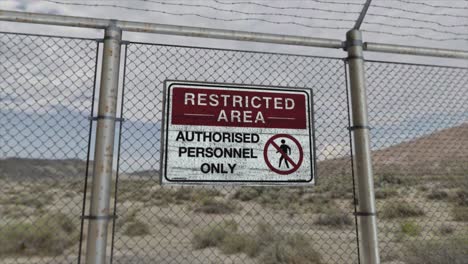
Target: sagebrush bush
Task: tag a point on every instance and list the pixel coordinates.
(446, 230)
(27, 198)
(462, 198)
(234, 243)
(384, 193)
(460, 213)
(136, 228)
(248, 193)
(212, 206)
(391, 178)
(401, 210)
(334, 218)
(164, 196)
(410, 228)
(437, 195)
(453, 250)
(213, 235)
(290, 248)
(269, 245)
(48, 235)
(129, 216)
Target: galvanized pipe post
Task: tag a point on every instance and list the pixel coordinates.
(369, 252)
(99, 215)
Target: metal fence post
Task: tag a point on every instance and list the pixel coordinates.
(362, 157)
(104, 151)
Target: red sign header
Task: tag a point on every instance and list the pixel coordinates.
(238, 107)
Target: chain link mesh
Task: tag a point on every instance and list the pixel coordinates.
(167, 224)
(418, 115)
(419, 118)
(46, 91)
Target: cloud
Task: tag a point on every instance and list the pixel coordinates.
(22, 5)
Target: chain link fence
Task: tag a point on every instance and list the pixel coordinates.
(167, 224)
(46, 95)
(418, 115)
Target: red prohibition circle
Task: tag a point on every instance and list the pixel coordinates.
(295, 165)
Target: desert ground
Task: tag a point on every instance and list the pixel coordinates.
(421, 191)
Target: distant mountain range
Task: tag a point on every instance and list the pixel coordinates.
(36, 169)
(444, 151)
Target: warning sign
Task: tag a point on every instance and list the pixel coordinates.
(228, 134)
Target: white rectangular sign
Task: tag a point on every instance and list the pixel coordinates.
(237, 134)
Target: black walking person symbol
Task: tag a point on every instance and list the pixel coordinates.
(292, 162)
(286, 152)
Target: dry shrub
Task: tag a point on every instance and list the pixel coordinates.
(248, 193)
(437, 195)
(269, 245)
(390, 177)
(460, 213)
(213, 235)
(128, 217)
(281, 248)
(136, 228)
(48, 235)
(446, 230)
(401, 210)
(28, 198)
(334, 218)
(235, 243)
(169, 221)
(139, 191)
(453, 251)
(384, 193)
(461, 198)
(212, 206)
(410, 228)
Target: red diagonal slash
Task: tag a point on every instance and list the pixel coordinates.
(284, 154)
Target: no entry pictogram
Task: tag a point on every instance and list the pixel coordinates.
(287, 159)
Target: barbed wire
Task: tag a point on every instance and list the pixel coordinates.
(197, 15)
(263, 13)
(245, 3)
(288, 7)
(456, 35)
(266, 5)
(413, 35)
(415, 27)
(418, 20)
(243, 12)
(418, 1)
(417, 12)
(434, 6)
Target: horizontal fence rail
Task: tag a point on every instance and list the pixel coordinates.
(85, 22)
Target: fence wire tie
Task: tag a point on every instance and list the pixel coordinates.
(100, 117)
(355, 57)
(352, 128)
(350, 43)
(98, 217)
(364, 213)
